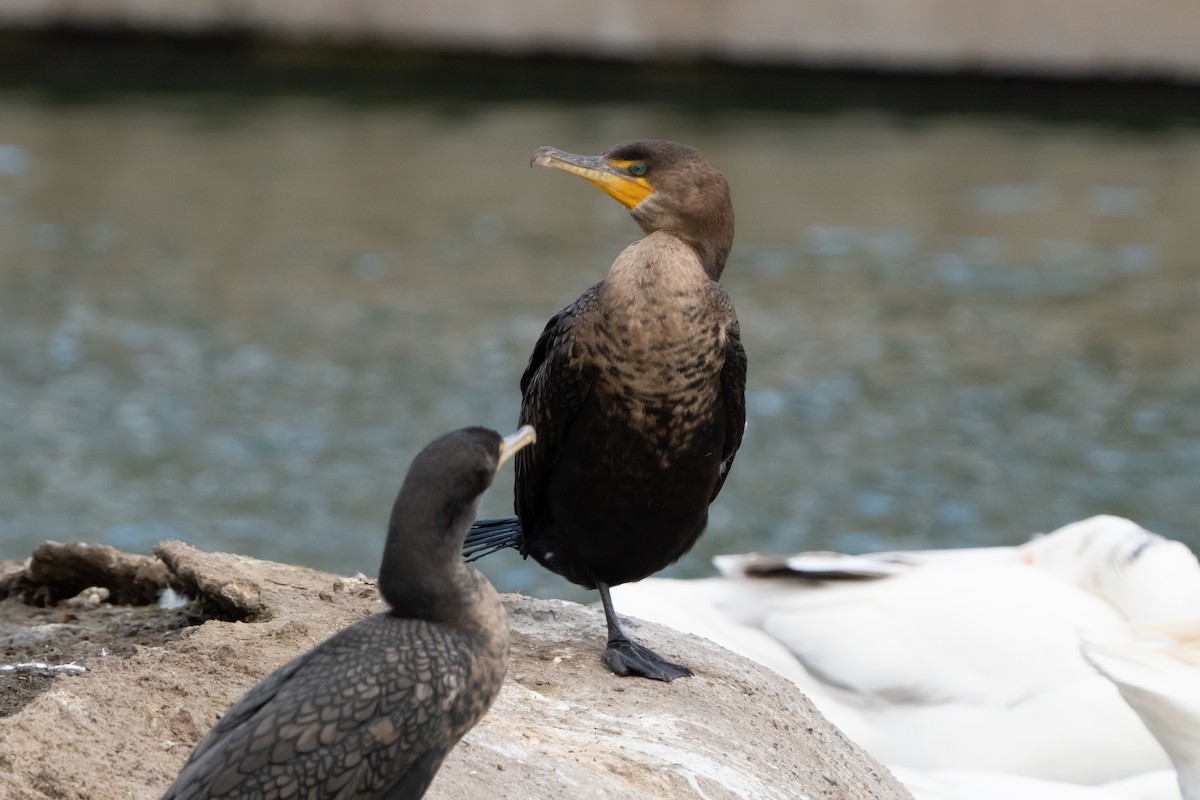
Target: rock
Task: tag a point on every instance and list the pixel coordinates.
(58, 571)
(562, 726)
(220, 578)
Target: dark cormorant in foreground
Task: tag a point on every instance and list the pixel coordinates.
(372, 711)
(637, 391)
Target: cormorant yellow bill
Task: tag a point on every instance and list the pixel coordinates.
(515, 441)
(611, 176)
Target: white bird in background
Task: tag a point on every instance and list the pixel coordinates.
(954, 659)
(1157, 671)
(971, 785)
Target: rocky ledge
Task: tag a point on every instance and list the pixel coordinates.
(563, 726)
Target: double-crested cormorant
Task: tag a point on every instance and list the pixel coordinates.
(636, 390)
(372, 711)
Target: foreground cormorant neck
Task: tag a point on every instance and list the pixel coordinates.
(422, 575)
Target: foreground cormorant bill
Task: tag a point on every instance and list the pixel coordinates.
(372, 711)
(637, 390)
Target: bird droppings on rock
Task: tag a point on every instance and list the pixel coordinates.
(90, 597)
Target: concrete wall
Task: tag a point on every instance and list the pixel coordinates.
(1096, 37)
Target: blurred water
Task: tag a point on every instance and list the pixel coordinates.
(235, 322)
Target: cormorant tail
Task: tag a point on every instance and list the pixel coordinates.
(488, 536)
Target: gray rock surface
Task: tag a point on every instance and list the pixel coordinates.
(563, 726)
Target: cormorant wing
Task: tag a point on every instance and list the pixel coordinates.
(552, 391)
(733, 396)
(243, 710)
(347, 718)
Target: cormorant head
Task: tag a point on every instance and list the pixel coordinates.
(435, 508)
(447, 479)
(666, 186)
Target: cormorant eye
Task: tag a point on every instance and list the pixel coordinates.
(638, 169)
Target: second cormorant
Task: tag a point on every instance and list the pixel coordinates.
(372, 711)
(637, 391)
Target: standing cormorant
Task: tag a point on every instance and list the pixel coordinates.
(372, 711)
(637, 390)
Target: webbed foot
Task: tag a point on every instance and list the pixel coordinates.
(626, 657)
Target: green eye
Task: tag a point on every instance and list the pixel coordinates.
(638, 169)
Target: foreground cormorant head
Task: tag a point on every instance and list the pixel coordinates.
(448, 478)
(434, 510)
(666, 186)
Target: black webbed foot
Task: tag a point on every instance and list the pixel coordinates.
(626, 657)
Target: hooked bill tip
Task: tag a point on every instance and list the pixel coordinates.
(542, 157)
(524, 436)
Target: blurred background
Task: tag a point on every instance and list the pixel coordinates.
(252, 258)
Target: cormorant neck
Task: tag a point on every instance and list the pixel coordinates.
(422, 575)
(713, 255)
(711, 235)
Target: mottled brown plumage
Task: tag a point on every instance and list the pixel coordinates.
(372, 711)
(636, 390)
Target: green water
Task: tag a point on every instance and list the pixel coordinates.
(234, 318)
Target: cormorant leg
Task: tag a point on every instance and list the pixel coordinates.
(624, 656)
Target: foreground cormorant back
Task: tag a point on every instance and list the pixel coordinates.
(637, 390)
(372, 711)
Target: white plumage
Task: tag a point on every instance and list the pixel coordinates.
(954, 659)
